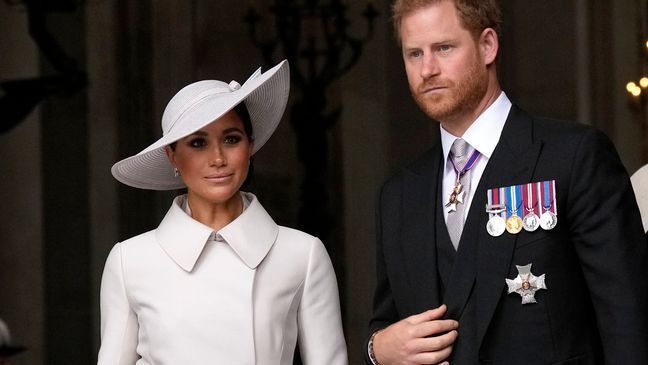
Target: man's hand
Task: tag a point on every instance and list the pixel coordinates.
(423, 338)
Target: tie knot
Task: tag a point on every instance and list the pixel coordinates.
(459, 147)
(459, 152)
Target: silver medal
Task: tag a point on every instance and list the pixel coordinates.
(496, 225)
(531, 222)
(548, 220)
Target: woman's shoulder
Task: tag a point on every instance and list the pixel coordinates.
(298, 255)
(140, 240)
(300, 243)
(298, 238)
(136, 244)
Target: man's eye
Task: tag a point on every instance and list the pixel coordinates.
(415, 54)
(445, 48)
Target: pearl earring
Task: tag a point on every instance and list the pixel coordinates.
(176, 173)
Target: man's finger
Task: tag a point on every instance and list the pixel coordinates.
(434, 343)
(435, 327)
(432, 357)
(428, 315)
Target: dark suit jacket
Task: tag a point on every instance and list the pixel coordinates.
(595, 308)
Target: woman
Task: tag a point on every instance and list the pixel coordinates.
(218, 282)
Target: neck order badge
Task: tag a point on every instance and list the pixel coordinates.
(458, 192)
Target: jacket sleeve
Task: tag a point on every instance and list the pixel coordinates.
(321, 339)
(605, 227)
(119, 327)
(384, 308)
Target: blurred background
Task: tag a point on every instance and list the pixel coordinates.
(84, 84)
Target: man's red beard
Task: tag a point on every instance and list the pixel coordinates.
(456, 98)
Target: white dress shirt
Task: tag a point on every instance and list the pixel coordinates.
(483, 135)
(184, 294)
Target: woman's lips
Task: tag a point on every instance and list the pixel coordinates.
(216, 178)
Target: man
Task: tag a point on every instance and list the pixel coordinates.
(517, 240)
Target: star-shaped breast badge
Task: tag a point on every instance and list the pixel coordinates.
(526, 284)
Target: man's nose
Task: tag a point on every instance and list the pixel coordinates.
(430, 66)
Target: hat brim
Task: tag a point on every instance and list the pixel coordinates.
(640, 186)
(265, 96)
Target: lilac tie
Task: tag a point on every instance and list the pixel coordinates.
(459, 153)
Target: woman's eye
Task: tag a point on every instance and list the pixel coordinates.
(232, 139)
(197, 143)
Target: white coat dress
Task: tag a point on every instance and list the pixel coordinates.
(183, 294)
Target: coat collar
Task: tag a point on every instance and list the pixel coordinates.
(183, 238)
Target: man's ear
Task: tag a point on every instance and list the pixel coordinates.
(489, 45)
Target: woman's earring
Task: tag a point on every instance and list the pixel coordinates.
(176, 173)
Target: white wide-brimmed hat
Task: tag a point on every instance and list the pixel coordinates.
(640, 186)
(197, 105)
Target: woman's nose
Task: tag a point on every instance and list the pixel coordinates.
(217, 157)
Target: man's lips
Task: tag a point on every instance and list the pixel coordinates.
(432, 89)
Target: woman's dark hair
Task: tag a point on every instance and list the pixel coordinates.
(243, 113)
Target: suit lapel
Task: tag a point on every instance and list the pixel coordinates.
(418, 231)
(483, 261)
(513, 162)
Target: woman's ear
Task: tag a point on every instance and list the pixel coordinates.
(170, 154)
(251, 147)
(489, 45)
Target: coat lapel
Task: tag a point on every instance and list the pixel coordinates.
(513, 162)
(483, 261)
(418, 231)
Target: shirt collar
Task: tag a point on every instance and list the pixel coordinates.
(484, 133)
(184, 238)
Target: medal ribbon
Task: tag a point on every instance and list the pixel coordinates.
(469, 164)
(496, 223)
(546, 201)
(531, 203)
(530, 195)
(493, 200)
(512, 198)
(503, 200)
(554, 206)
(489, 194)
(548, 190)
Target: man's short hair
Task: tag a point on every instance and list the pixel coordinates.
(475, 15)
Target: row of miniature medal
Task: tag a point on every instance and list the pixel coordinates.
(526, 206)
